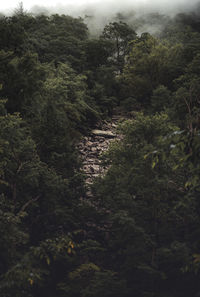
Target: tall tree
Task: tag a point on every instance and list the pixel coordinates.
(120, 35)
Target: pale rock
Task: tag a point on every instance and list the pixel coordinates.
(108, 134)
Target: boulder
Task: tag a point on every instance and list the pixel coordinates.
(103, 133)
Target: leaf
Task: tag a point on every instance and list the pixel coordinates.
(187, 184)
(153, 165)
(196, 258)
(31, 281)
(175, 167)
(3, 182)
(71, 245)
(48, 260)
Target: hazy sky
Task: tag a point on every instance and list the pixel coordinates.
(161, 5)
(9, 4)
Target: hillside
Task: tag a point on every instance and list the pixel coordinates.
(99, 156)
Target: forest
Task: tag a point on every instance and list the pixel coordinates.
(138, 235)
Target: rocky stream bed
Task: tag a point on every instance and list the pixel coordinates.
(91, 147)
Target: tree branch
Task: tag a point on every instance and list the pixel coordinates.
(28, 203)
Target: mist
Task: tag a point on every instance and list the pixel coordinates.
(111, 7)
(97, 13)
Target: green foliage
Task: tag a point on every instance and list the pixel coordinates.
(106, 284)
(186, 98)
(119, 34)
(18, 156)
(97, 52)
(22, 79)
(139, 234)
(149, 204)
(161, 99)
(13, 237)
(150, 64)
(58, 38)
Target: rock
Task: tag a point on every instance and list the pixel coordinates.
(89, 143)
(91, 154)
(95, 168)
(95, 175)
(95, 143)
(93, 146)
(104, 133)
(89, 161)
(89, 194)
(103, 144)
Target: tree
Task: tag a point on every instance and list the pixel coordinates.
(19, 11)
(161, 99)
(59, 39)
(38, 208)
(22, 79)
(97, 52)
(150, 64)
(148, 206)
(186, 97)
(120, 35)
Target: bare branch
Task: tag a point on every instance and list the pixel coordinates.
(28, 203)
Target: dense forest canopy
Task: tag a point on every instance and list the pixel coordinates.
(139, 234)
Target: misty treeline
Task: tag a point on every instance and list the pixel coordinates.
(139, 235)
